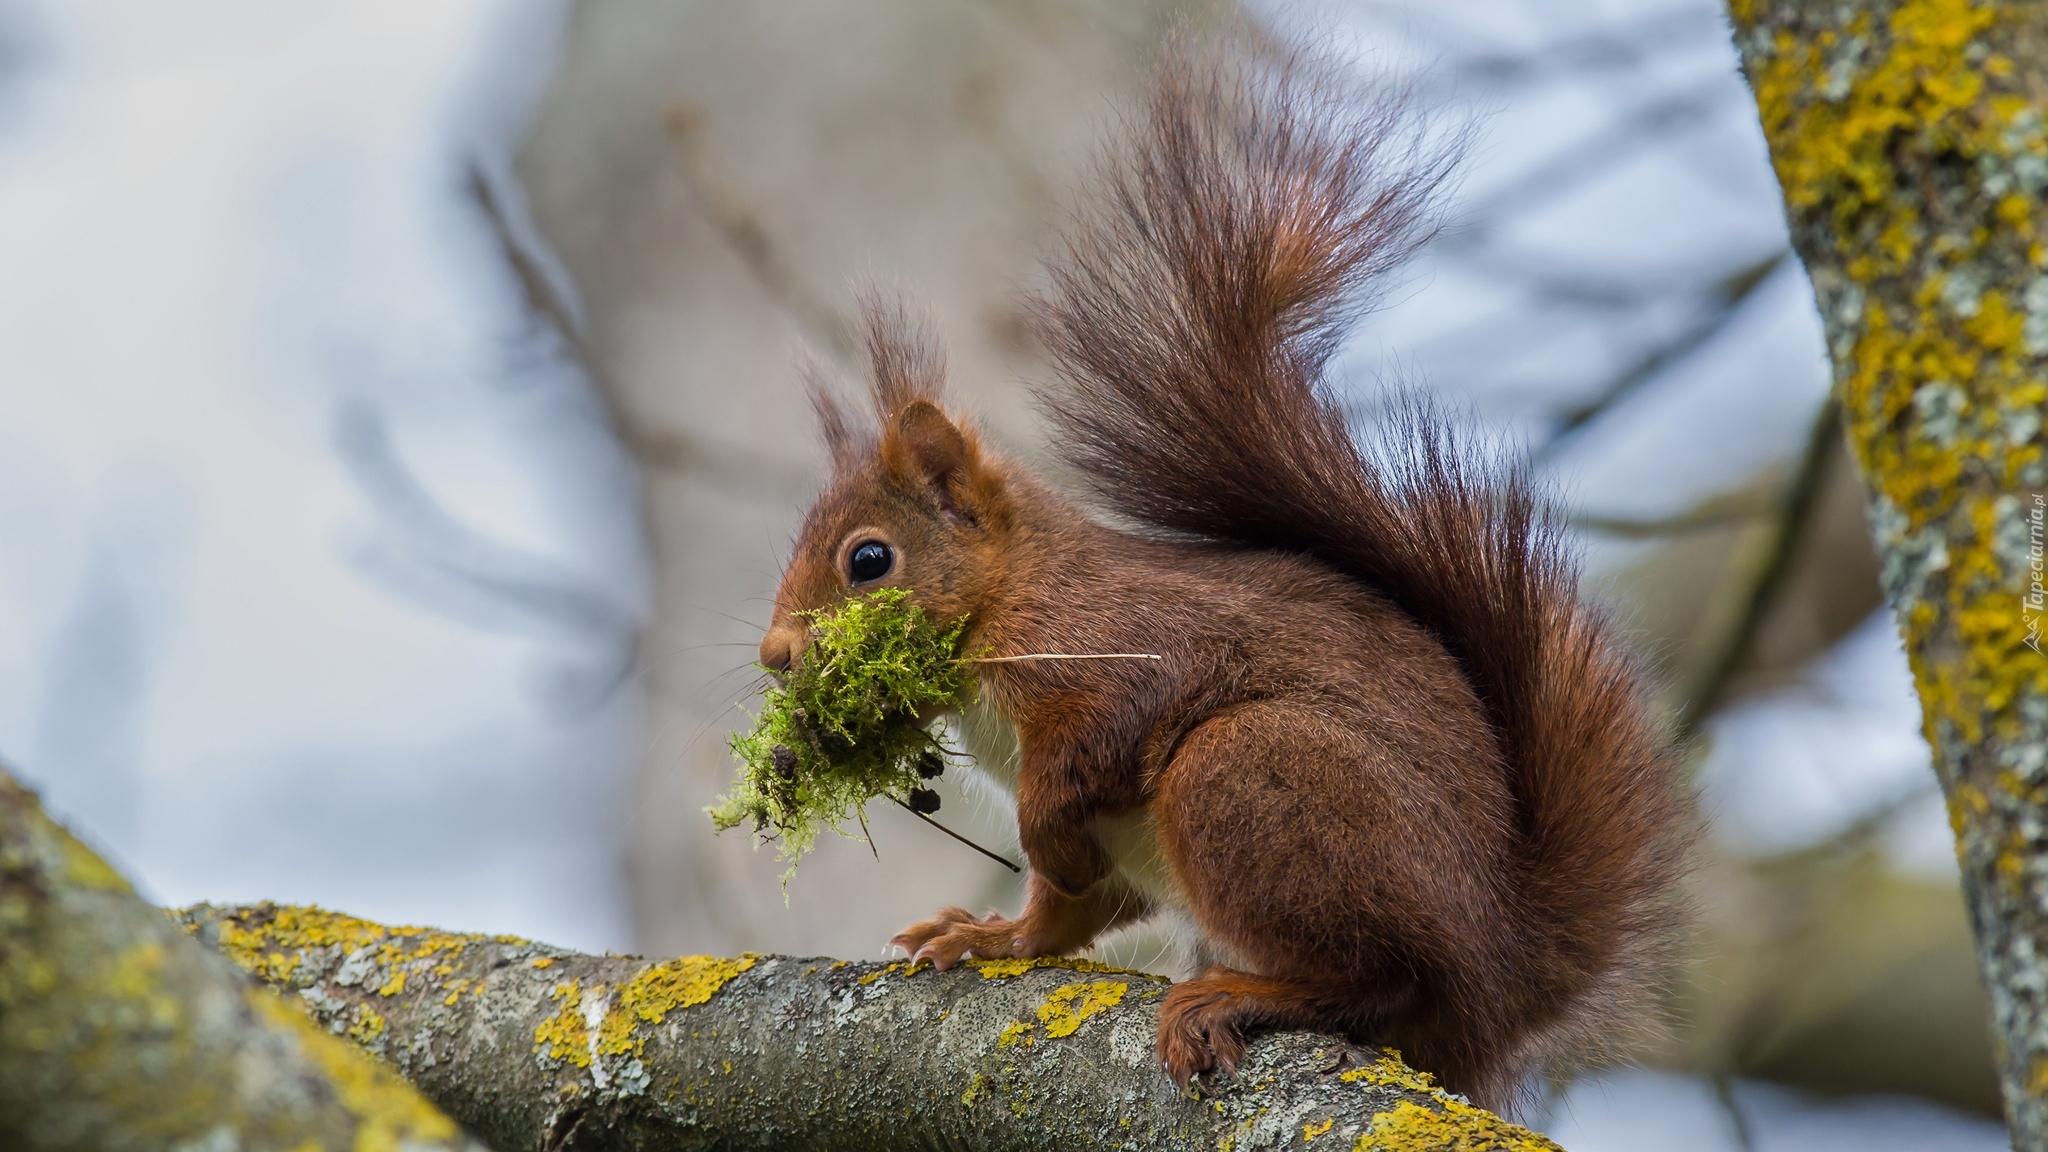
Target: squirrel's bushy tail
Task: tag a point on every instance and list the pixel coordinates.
(1236, 236)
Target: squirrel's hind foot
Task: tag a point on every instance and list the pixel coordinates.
(1203, 1023)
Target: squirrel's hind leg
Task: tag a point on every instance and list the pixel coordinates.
(1339, 878)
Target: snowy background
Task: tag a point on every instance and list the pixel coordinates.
(318, 580)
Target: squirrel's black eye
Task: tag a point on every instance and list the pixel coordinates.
(870, 561)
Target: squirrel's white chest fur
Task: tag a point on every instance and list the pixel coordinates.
(991, 739)
(1133, 848)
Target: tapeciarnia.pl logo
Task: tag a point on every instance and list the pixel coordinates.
(2036, 599)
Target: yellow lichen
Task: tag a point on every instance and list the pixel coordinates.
(1068, 1006)
(1389, 1071)
(271, 942)
(134, 979)
(907, 967)
(1065, 1009)
(660, 989)
(647, 998)
(389, 1113)
(1004, 969)
(369, 1027)
(1313, 1130)
(1447, 1125)
(564, 1036)
(973, 1092)
(85, 868)
(679, 983)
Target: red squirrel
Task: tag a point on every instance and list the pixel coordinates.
(1392, 775)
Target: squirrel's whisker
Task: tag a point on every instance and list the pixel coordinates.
(1063, 656)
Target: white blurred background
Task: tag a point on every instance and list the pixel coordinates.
(315, 583)
(367, 541)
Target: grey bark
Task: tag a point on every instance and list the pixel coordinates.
(537, 1048)
(118, 1033)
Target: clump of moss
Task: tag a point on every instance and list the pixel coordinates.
(845, 727)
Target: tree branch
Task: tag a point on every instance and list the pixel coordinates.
(116, 1032)
(538, 1048)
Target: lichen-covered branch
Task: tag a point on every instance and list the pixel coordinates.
(536, 1048)
(118, 1033)
(1910, 141)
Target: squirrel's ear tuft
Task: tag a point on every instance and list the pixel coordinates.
(924, 448)
(903, 358)
(845, 439)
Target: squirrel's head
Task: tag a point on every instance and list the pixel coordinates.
(914, 501)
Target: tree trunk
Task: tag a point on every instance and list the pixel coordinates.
(117, 1033)
(1911, 146)
(536, 1048)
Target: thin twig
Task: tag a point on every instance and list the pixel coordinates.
(867, 835)
(664, 449)
(731, 211)
(1731, 294)
(955, 835)
(1801, 497)
(1724, 1092)
(1713, 514)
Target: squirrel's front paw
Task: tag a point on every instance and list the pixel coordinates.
(956, 933)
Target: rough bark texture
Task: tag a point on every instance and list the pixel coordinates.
(1910, 141)
(117, 1032)
(537, 1048)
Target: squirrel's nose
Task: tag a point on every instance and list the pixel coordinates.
(779, 649)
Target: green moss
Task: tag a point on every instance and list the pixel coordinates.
(848, 725)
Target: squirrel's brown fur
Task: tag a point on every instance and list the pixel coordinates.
(1399, 779)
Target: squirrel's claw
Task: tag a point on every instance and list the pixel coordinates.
(955, 933)
(1198, 1031)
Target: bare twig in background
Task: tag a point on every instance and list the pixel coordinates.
(730, 212)
(1724, 304)
(666, 449)
(1768, 575)
(1718, 513)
